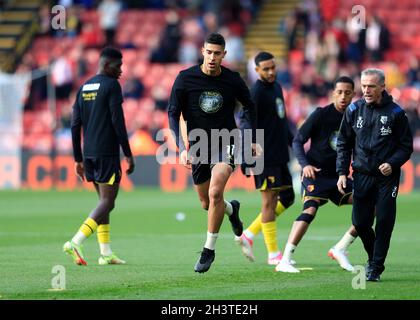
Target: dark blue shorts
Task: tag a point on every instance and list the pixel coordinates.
(325, 188)
(103, 170)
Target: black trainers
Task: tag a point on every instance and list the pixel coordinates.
(374, 276)
(368, 269)
(235, 221)
(205, 261)
(373, 272)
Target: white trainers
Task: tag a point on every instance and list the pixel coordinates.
(276, 260)
(341, 257)
(246, 246)
(286, 266)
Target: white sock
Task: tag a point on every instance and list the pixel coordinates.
(105, 249)
(345, 241)
(211, 240)
(78, 238)
(228, 208)
(249, 234)
(288, 251)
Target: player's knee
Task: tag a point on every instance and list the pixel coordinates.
(108, 204)
(311, 206)
(287, 197)
(306, 217)
(215, 195)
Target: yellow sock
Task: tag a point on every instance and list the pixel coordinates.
(269, 231)
(88, 227)
(255, 226)
(279, 208)
(104, 233)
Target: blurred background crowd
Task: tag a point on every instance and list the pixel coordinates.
(314, 42)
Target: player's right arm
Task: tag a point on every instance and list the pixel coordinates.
(176, 101)
(76, 129)
(305, 132)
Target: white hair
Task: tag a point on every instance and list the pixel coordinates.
(378, 72)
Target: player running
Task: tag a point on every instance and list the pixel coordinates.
(319, 177)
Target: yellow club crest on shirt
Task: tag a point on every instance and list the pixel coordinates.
(310, 187)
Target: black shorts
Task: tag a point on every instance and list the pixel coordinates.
(201, 172)
(103, 170)
(324, 189)
(274, 178)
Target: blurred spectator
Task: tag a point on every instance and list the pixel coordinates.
(413, 73)
(62, 77)
(412, 111)
(354, 51)
(91, 38)
(283, 74)
(188, 52)
(167, 50)
(44, 20)
(38, 87)
(109, 11)
(376, 39)
(288, 27)
(73, 24)
(160, 97)
(210, 22)
(234, 48)
(133, 87)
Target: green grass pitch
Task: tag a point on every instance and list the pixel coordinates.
(161, 251)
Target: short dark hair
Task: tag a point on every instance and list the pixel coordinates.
(262, 56)
(216, 38)
(344, 79)
(111, 53)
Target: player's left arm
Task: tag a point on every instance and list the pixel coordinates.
(244, 97)
(117, 117)
(404, 138)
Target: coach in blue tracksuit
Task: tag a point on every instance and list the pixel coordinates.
(376, 133)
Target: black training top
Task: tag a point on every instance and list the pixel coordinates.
(373, 134)
(271, 117)
(207, 102)
(322, 128)
(98, 110)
